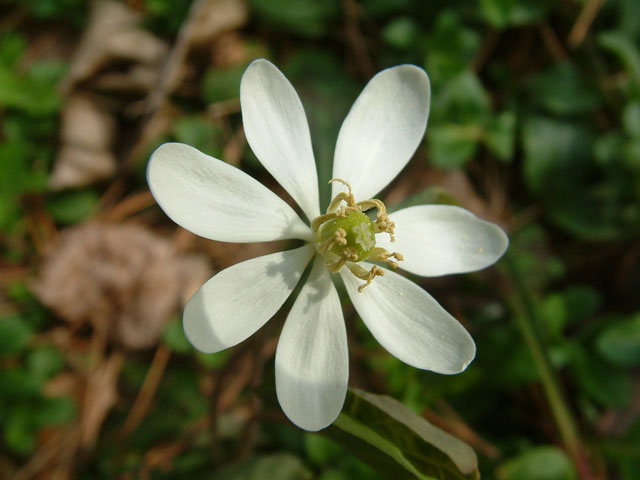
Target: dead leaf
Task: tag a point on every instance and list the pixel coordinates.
(113, 36)
(123, 279)
(87, 134)
(100, 396)
(139, 79)
(210, 18)
(207, 20)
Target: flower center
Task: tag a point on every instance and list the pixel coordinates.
(345, 235)
(354, 235)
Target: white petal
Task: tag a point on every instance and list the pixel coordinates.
(215, 200)
(239, 300)
(410, 324)
(312, 363)
(443, 239)
(277, 131)
(382, 130)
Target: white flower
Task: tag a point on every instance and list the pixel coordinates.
(217, 201)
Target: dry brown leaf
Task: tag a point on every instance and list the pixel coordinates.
(87, 133)
(230, 50)
(121, 278)
(113, 36)
(78, 167)
(207, 20)
(139, 79)
(211, 18)
(100, 396)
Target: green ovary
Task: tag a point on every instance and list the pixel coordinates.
(360, 234)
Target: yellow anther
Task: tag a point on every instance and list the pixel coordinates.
(348, 255)
(365, 275)
(385, 256)
(347, 197)
(385, 225)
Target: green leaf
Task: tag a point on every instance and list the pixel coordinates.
(17, 176)
(625, 49)
(321, 450)
(529, 253)
(609, 385)
(53, 411)
(507, 13)
(401, 33)
(34, 92)
(163, 16)
(12, 45)
(500, 135)
(575, 304)
(620, 343)
(556, 154)
(212, 360)
(72, 206)
(278, 466)
(588, 212)
(450, 48)
(607, 148)
(18, 430)
(540, 463)
(399, 443)
(462, 100)
(44, 363)
(175, 339)
(14, 335)
(308, 18)
(631, 119)
(628, 21)
(199, 133)
(17, 382)
(452, 146)
(221, 84)
(563, 90)
(553, 310)
(428, 196)
(558, 166)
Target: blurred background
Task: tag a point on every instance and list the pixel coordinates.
(534, 125)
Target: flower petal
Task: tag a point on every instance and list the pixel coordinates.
(312, 363)
(217, 201)
(277, 131)
(442, 239)
(239, 300)
(410, 324)
(382, 130)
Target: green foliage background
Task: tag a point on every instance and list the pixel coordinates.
(544, 127)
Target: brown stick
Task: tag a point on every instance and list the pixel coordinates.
(147, 391)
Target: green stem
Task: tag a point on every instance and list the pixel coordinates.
(526, 317)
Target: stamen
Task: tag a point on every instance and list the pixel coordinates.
(318, 221)
(348, 254)
(383, 223)
(365, 275)
(384, 256)
(347, 197)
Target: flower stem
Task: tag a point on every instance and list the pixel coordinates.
(526, 318)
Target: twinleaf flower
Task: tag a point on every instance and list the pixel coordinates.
(218, 201)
